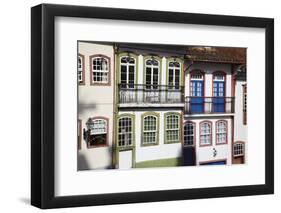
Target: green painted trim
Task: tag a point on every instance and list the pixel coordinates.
(165, 127)
(147, 57)
(169, 59)
(157, 115)
(169, 162)
(132, 147)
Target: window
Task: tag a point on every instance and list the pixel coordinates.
(196, 85)
(221, 132)
(189, 134)
(150, 130)
(100, 69)
(97, 132)
(127, 72)
(205, 133)
(172, 129)
(125, 132)
(238, 149)
(174, 75)
(80, 64)
(151, 73)
(245, 104)
(218, 85)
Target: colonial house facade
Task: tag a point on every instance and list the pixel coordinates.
(153, 105)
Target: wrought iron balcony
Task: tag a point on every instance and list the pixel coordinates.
(154, 94)
(203, 105)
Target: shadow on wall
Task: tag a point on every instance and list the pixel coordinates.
(87, 160)
(82, 107)
(82, 163)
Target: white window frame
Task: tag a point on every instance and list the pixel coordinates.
(221, 132)
(152, 67)
(104, 72)
(127, 65)
(101, 122)
(150, 131)
(128, 134)
(174, 68)
(167, 129)
(204, 134)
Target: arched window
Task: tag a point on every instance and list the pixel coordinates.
(97, 131)
(127, 71)
(221, 132)
(172, 128)
(151, 73)
(100, 69)
(218, 84)
(80, 66)
(150, 130)
(205, 133)
(125, 131)
(189, 134)
(238, 149)
(174, 75)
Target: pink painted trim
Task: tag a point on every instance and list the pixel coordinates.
(107, 128)
(83, 70)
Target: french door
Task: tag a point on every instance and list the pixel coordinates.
(197, 96)
(218, 96)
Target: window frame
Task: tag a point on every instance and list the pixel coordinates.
(143, 116)
(243, 149)
(194, 133)
(135, 57)
(181, 83)
(107, 133)
(159, 60)
(214, 74)
(91, 58)
(132, 117)
(202, 73)
(226, 132)
(166, 115)
(81, 83)
(211, 133)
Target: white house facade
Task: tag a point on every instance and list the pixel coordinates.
(95, 105)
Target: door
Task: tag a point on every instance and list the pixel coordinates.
(218, 96)
(197, 99)
(125, 159)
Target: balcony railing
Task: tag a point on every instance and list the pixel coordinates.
(201, 105)
(156, 94)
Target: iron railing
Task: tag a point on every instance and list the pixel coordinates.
(143, 93)
(203, 105)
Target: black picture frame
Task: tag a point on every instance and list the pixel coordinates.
(43, 105)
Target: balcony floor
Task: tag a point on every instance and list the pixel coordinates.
(152, 105)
